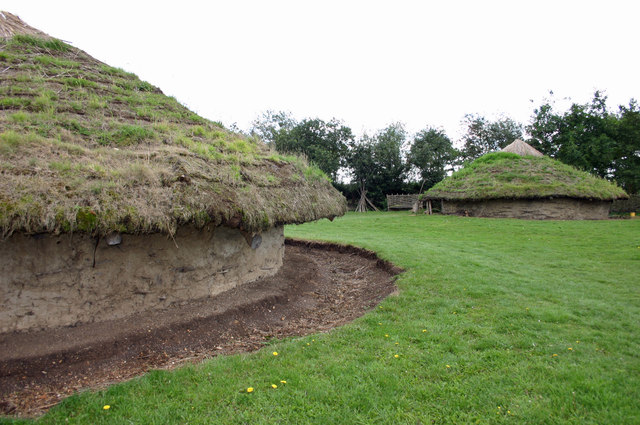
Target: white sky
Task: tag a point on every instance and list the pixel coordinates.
(368, 63)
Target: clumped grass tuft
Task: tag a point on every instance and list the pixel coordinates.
(313, 173)
(51, 60)
(79, 82)
(116, 72)
(127, 135)
(19, 117)
(42, 43)
(11, 141)
(12, 103)
(76, 127)
(139, 174)
(144, 86)
(8, 58)
(61, 166)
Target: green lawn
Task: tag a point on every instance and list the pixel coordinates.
(497, 321)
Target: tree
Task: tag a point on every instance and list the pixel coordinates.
(544, 128)
(376, 163)
(270, 124)
(590, 137)
(431, 154)
(587, 139)
(584, 136)
(323, 143)
(484, 136)
(626, 164)
(387, 154)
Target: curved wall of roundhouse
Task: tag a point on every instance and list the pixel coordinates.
(535, 209)
(49, 281)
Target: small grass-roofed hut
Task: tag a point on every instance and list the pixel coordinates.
(520, 182)
(115, 198)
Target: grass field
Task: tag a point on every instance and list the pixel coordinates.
(496, 321)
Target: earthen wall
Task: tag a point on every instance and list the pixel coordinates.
(536, 209)
(49, 281)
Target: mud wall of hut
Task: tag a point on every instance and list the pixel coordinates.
(536, 209)
(50, 281)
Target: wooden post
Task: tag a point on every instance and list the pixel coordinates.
(414, 208)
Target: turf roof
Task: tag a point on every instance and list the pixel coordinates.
(88, 147)
(505, 175)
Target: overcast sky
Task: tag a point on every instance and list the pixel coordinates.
(368, 63)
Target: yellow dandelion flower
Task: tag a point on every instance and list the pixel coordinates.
(509, 411)
(283, 382)
(554, 355)
(396, 356)
(308, 343)
(397, 343)
(106, 407)
(577, 342)
(424, 330)
(380, 323)
(386, 335)
(570, 349)
(250, 389)
(448, 367)
(499, 407)
(274, 386)
(275, 353)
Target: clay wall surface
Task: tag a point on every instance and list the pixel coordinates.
(50, 281)
(536, 209)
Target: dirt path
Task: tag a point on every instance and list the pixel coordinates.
(320, 286)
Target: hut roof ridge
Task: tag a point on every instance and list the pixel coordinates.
(11, 25)
(522, 148)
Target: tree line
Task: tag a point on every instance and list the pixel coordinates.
(588, 136)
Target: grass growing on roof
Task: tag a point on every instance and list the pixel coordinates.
(163, 166)
(508, 175)
(497, 321)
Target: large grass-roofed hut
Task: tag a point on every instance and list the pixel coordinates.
(115, 198)
(520, 182)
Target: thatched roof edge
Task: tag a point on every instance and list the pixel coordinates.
(88, 147)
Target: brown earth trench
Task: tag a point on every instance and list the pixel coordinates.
(320, 286)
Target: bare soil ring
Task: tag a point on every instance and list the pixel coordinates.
(320, 286)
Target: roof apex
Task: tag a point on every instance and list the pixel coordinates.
(11, 25)
(522, 148)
